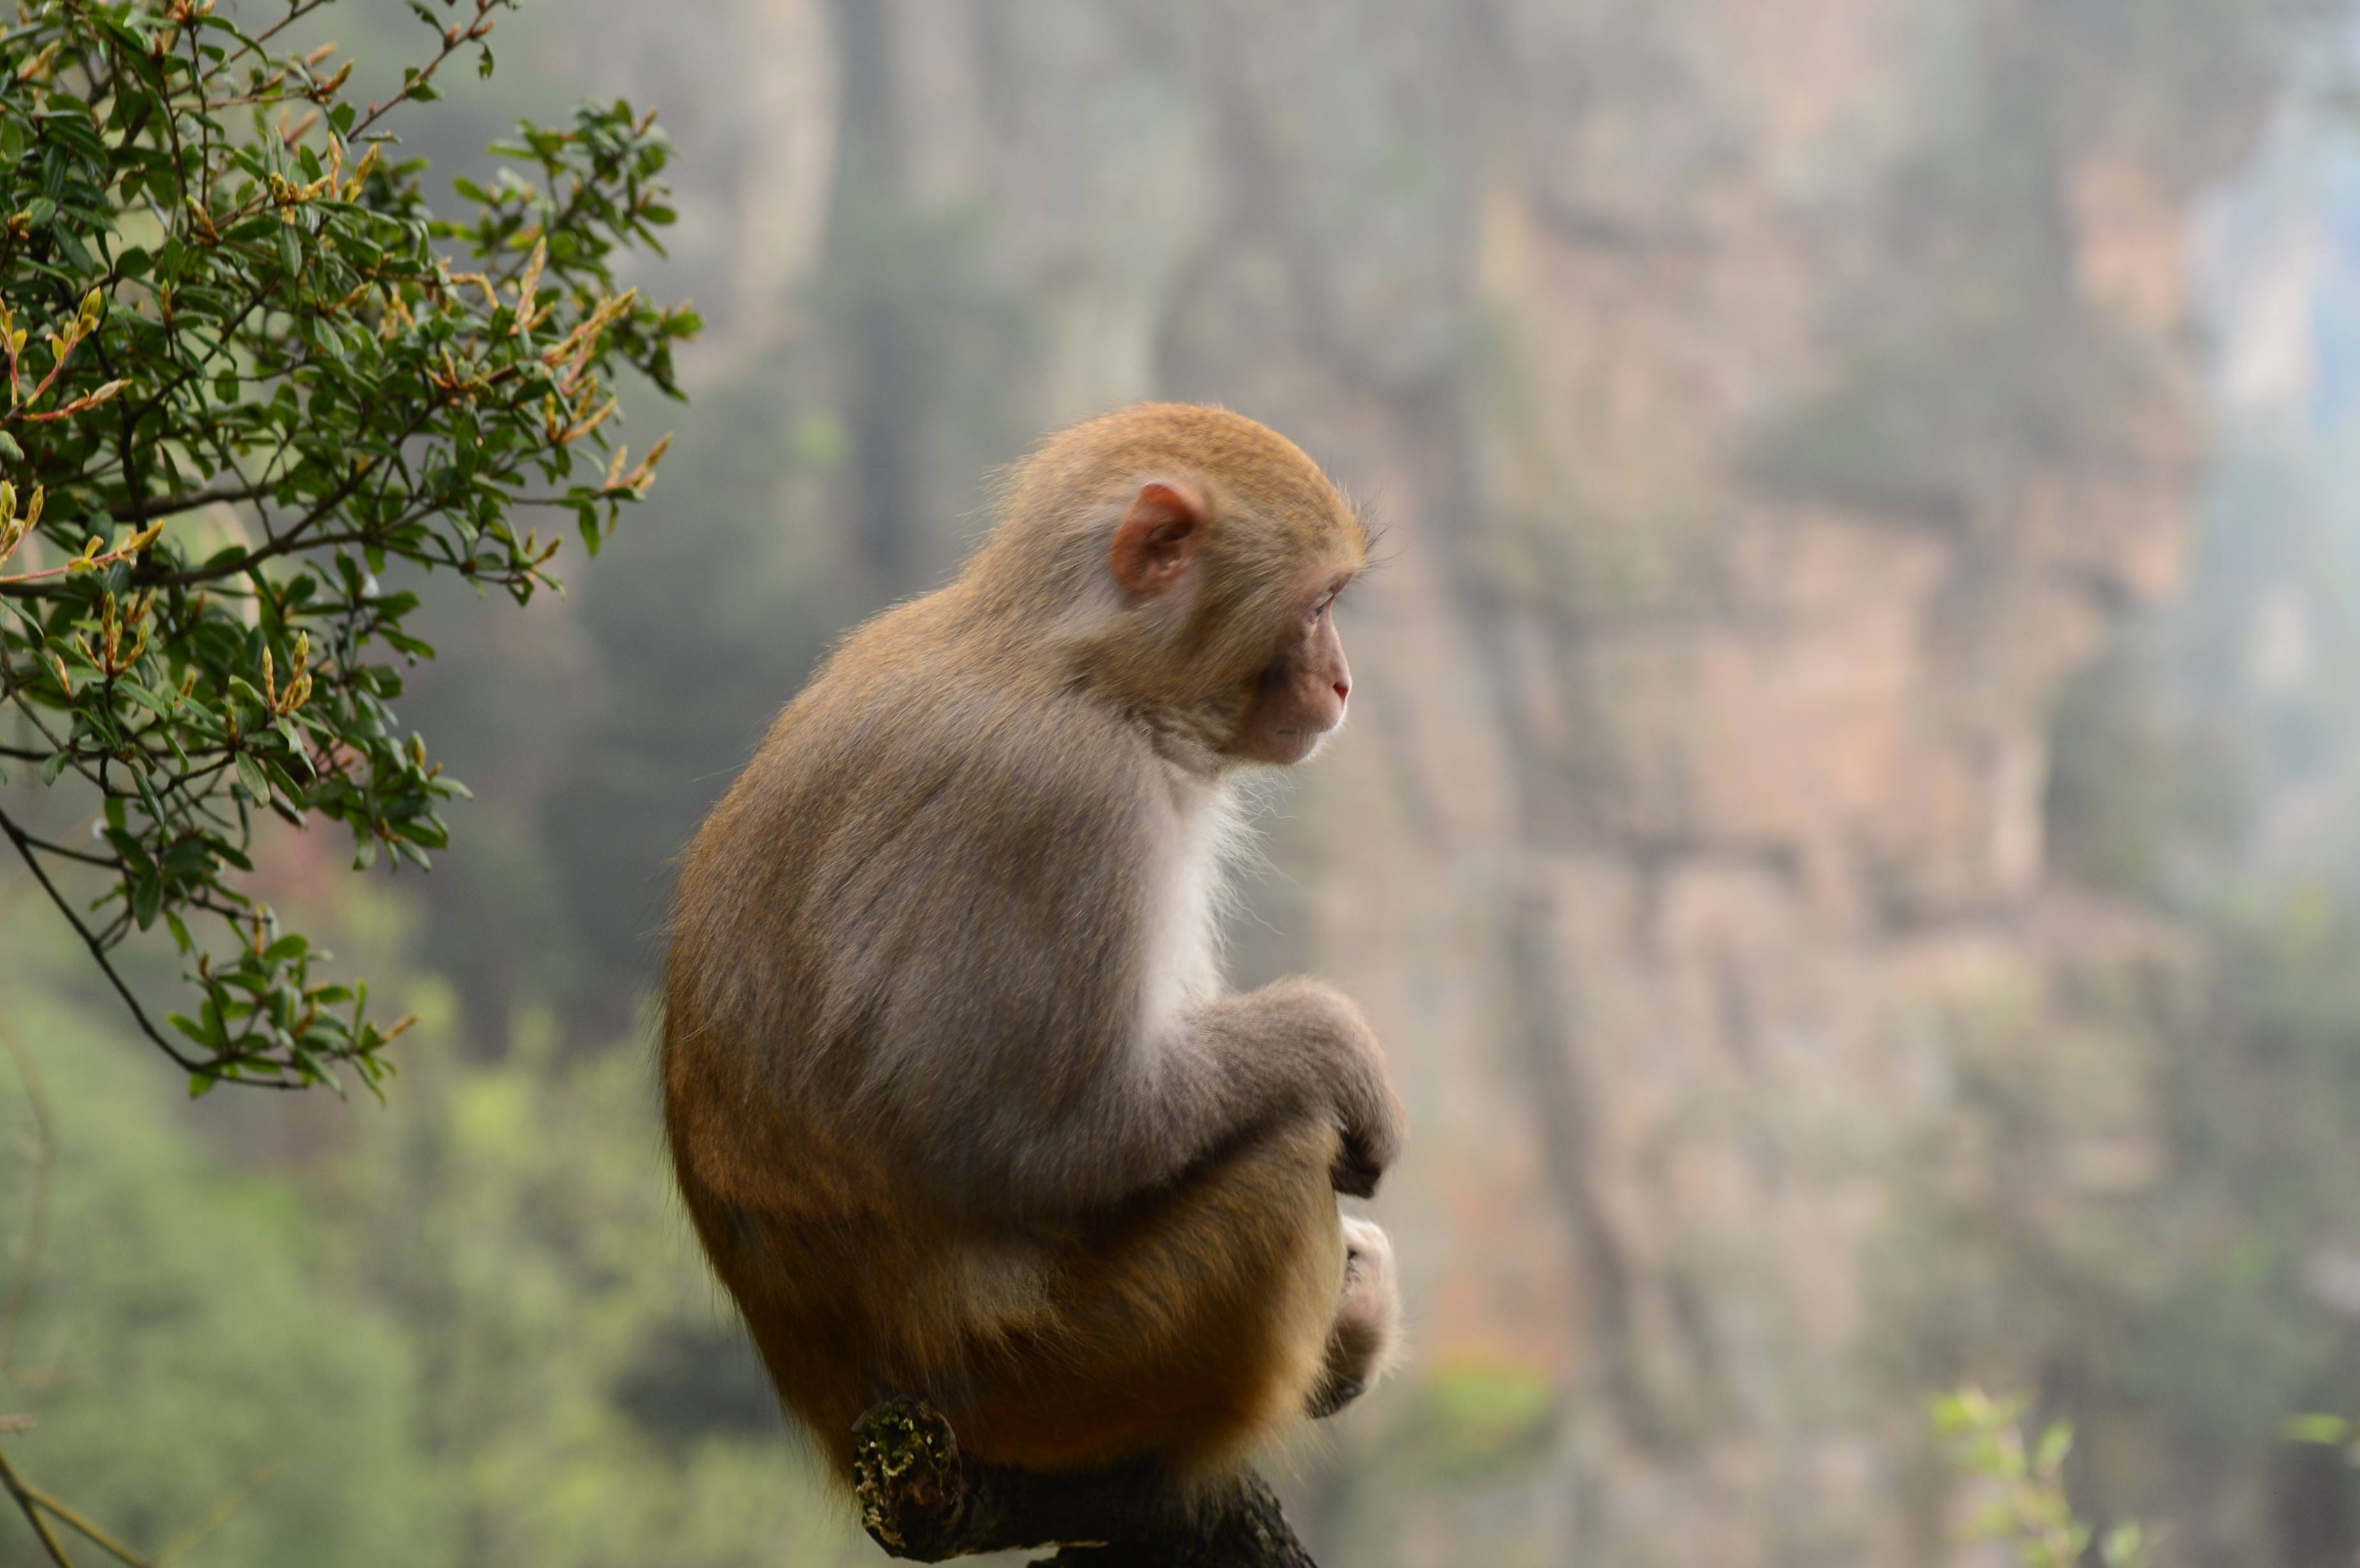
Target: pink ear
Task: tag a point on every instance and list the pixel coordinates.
(1158, 538)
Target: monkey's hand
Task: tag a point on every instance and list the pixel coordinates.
(1370, 1114)
(1372, 1141)
(1347, 1068)
(1358, 1168)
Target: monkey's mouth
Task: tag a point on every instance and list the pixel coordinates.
(1300, 745)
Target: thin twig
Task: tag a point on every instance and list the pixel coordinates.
(88, 563)
(189, 501)
(19, 1490)
(213, 1520)
(223, 1061)
(16, 836)
(97, 1537)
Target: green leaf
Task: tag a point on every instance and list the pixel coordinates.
(153, 701)
(2055, 1444)
(2333, 1430)
(147, 900)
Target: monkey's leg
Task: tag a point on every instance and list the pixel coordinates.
(1365, 1337)
(1185, 1331)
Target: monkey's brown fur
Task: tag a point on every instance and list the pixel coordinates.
(957, 1102)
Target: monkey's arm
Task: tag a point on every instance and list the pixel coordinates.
(1296, 1047)
(1036, 1133)
(1005, 1019)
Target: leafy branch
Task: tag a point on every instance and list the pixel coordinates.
(259, 395)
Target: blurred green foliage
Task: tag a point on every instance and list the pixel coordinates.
(2024, 1507)
(2329, 1431)
(467, 1329)
(2184, 1317)
(1465, 1419)
(168, 1337)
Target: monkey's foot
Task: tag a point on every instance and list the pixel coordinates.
(924, 1501)
(1365, 1339)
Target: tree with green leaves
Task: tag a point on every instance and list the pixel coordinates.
(259, 396)
(2024, 1507)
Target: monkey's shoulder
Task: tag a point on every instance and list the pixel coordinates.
(970, 755)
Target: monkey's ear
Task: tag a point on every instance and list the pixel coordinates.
(1158, 538)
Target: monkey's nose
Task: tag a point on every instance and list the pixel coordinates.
(1343, 691)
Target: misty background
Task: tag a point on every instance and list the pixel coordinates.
(1850, 828)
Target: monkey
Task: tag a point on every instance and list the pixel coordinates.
(956, 1098)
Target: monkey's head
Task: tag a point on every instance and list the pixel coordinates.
(1190, 559)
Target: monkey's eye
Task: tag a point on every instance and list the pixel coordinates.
(1325, 603)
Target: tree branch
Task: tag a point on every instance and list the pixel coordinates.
(167, 505)
(922, 1500)
(15, 1486)
(36, 1502)
(26, 848)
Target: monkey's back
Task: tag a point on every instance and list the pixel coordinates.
(892, 871)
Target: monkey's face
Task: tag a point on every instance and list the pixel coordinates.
(1299, 699)
(1228, 629)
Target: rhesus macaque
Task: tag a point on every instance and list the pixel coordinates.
(959, 1106)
